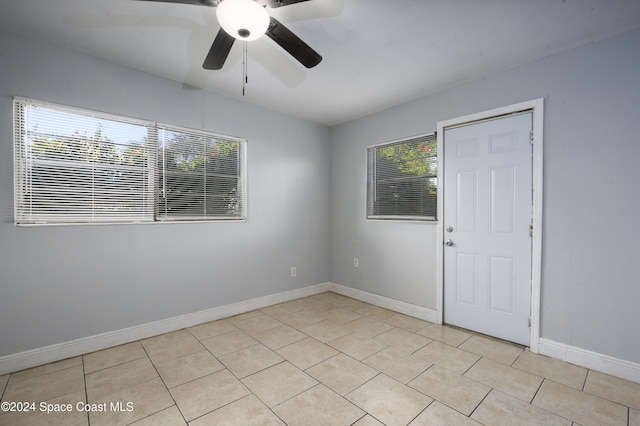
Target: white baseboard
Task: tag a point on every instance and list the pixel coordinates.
(60, 351)
(595, 361)
(15, 362)
(385, 302)
(584, 358)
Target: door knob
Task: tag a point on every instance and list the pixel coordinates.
(448, 243)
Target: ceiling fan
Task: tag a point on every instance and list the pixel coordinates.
(248, 20)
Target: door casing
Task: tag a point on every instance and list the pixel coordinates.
(536, 106)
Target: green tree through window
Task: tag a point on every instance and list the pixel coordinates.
(200, 175)
(402, 179)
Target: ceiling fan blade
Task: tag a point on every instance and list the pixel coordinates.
(293, 44)
(280, 3)
(219, 51)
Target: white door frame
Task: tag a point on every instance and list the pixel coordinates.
(537, 108)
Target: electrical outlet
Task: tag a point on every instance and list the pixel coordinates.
(356, 262)
(293, 272)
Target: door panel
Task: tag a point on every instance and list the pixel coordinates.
(502, 288)
(503, 201)
(467, 278)
(487, 212)
(467, 193)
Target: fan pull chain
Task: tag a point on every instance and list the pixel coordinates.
(245, 79)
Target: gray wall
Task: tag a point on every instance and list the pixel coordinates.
(62, 283)
(591, 243)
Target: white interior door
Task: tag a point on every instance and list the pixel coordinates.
(487, 214)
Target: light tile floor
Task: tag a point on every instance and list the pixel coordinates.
(321, 360)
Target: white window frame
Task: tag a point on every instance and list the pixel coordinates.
(146, 174)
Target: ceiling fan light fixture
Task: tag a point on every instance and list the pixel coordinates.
(243, 19)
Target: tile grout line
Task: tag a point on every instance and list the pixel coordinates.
(357, 420)
(472, 365)
(537, 390)
(288, 399)
(163, 383)
(114, 365)
(424, 409)
(4, 388)
(545, 379)
(628, 407)
(512, 365)
(86, 390)
(491, 389)
(584, 383)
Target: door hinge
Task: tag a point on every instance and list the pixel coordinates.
(531, 136)
(529, 322)
(531, 230)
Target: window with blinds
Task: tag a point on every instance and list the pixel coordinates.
(402, 179)
(75, 166)
(200, 175)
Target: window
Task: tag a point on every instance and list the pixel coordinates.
(200, 175)
(402, 179)
(78, 166)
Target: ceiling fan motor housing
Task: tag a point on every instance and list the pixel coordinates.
(243, 19)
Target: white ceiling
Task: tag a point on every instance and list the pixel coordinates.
(377, 54)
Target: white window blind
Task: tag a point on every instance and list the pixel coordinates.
(78, 166)
(402, 179)
(75, 166)
(201, 175)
